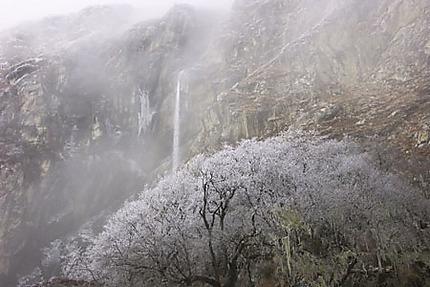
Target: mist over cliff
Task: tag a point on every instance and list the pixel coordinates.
(98, 105)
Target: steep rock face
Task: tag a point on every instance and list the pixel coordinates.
(255, 34)
(355, 68)
(85, 118)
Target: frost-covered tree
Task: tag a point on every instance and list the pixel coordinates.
(317, 210)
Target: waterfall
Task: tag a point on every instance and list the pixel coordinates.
(176, 125)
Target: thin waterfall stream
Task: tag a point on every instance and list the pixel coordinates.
(177, 124)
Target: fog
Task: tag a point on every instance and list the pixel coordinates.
(13, 13)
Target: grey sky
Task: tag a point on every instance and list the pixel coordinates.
(13, 12)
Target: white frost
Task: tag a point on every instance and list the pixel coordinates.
(144, 117)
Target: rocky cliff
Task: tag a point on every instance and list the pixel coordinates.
(85, 119)
(87, 106)
(342, 68)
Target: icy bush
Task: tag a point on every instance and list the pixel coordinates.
(315, 208)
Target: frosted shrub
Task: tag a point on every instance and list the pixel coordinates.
(314, 208)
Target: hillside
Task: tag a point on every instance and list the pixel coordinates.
(89, 110)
